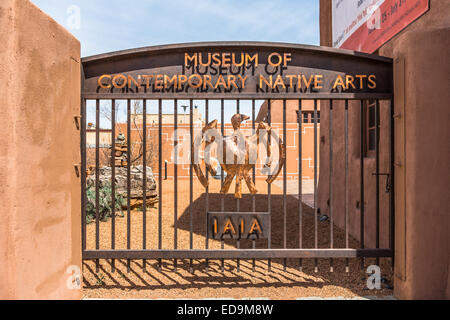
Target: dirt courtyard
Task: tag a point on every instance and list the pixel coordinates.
(249, 282)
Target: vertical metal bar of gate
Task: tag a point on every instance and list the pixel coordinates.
(160, 205)
(175, 182)
(207, 186)
(284, 185)
(238, 201)
(347, 268)
(128, 180)
(392, 181)
(300, 181)
(113, 180)
(331, 183)
(316, 269)
(97, 180)
(191, 195)
(361, 205)
(254, 180)
(222, 197)
(377, 179)
(144, 184)
(269, 187)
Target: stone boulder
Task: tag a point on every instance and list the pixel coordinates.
(136, 182)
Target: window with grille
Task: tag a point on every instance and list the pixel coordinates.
(305, 117)
(371, 127)
(318, 116)
(308, 116)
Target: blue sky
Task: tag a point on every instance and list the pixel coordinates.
(111, 25)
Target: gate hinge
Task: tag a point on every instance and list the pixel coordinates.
(77, 121)
(77, 169)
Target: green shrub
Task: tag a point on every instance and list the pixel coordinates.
(105, 203)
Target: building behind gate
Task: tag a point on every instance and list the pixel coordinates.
(421, 80)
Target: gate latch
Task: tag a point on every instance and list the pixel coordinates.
(77, 169)
(388, 180)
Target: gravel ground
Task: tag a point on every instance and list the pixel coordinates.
(169, 283)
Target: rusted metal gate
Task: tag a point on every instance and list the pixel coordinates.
(106, 77)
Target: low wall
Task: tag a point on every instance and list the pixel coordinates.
(39, 191)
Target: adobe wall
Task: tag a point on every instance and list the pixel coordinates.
(39, 191)
(422, 223)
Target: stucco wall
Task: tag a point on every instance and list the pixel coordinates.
(422, 133)
(39, 191)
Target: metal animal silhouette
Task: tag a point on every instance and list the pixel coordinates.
(243, 152)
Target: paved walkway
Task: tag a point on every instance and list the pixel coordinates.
(353, 298)
(251, 299)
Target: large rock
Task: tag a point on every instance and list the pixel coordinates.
(136, 181)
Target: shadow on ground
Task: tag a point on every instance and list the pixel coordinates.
(253, 280)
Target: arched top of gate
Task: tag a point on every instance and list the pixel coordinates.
(300, 66)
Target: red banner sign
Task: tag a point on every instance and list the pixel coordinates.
(365, 25)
